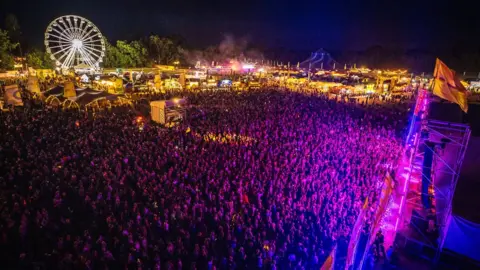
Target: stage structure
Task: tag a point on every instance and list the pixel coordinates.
(437, 152)
(168, 111)
(74, 41)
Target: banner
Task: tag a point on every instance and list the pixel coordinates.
(13, 95)
(330, 262)
(357, 228)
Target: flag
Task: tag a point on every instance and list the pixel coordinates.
(330, 262)
(447, 86)
(13, 95)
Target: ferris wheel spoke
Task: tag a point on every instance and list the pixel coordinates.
(78, 29)
(87, 35)
(70, 27)
(62, 34)
(93, 42)
(94, 49)
(52, 43)
(89, 50)
(70, 58)
(65, 58)
(75, 28)
(84, 34)
(64, 29)
(97, 35)
(58, 46)
(65, 55)
(92, 46)
(62, 50)
(60, 39)
(86, 57)
(80, 33)
(67, 28)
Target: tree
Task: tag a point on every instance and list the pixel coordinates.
(163, 50)
(39, 59)
(47, 61)
(132, 54)
(35, 59)
(111, 56)
(13, 28)
(6, 48)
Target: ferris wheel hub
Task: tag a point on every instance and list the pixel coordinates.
(77, 43)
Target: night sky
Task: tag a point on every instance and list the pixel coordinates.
(299, 25)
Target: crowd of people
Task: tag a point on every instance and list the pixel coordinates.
(102, 192)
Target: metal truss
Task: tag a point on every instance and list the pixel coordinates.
(450, 141)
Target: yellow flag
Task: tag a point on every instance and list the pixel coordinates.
(447, 86)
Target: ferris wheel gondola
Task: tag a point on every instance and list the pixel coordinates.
(72, 40)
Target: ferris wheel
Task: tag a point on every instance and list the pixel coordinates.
(72, 40)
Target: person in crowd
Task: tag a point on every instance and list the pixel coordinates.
(380, 248)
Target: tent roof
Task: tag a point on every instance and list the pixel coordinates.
(317, 58)
(89, 97)
(55, 91)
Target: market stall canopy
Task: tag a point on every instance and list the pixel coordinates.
(55, 91)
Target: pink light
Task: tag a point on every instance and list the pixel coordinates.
(248, 66)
